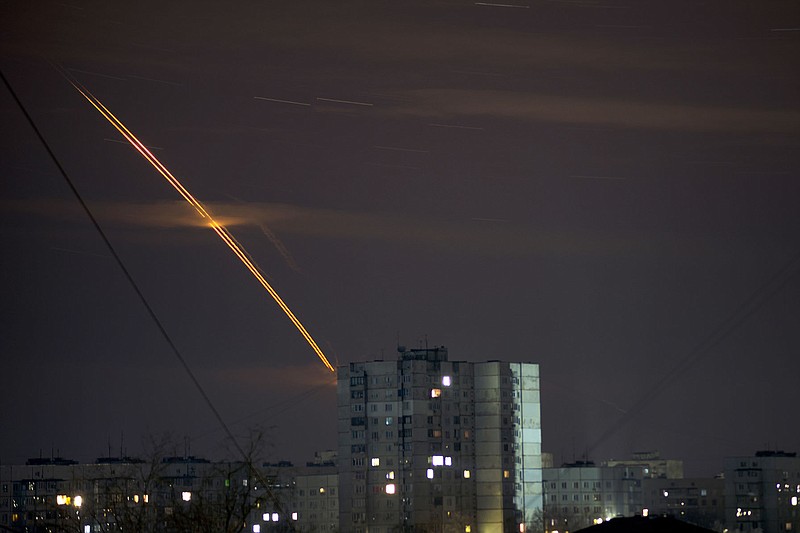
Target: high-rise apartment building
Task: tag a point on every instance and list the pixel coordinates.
(428, 444)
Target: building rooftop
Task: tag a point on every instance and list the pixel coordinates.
(640, 524)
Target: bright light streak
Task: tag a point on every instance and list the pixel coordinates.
(220, 230)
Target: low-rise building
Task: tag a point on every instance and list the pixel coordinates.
(699, 501)
(762, 492)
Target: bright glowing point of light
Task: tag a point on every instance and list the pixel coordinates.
(446, 381)
(218, 228)
(77, 501)
(186, 496)
(429, 473)
(522, 528)
(390, 488)
(467, 529)
(645, 512)
(322, 490)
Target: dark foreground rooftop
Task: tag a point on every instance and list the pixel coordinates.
(639, 524)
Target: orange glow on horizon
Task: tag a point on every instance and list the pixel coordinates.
(218, 228)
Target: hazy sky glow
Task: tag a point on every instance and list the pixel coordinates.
(608, 188)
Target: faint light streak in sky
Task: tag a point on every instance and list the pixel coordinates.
(279, 246)
(280, 101)
(350, 102)
(398, 149)
(220, 230)
(123, 142)
(456, 126)
(501, 5)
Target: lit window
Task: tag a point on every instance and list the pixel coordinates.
(274, 517)
(446, 381)
(62, 499)
(376, 461)
(448, 461)
(437, 460)
(186, 496)
(645, 512)
(322, 490)
(390, 488)
(294, 516)
(265, 517)
(429, 473)
(521, 528)
(467, 529)
(435, 393)
(506, 474)
(146, 498)
(256, 528)
(390, 475)
(77, 501)
(467, 474)
(87, 529)
(135, 498)
(794, 501)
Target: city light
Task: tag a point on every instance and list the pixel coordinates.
(77, 501)
(435, 393)
(186, 496)
(437, 460)
(390, 488)
(429, 473)
(467, 474)
(446, 381)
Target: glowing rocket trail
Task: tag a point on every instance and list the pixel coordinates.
(220, 230)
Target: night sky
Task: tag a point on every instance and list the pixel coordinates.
(606, 187)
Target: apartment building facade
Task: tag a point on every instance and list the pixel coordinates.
(429, 444)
